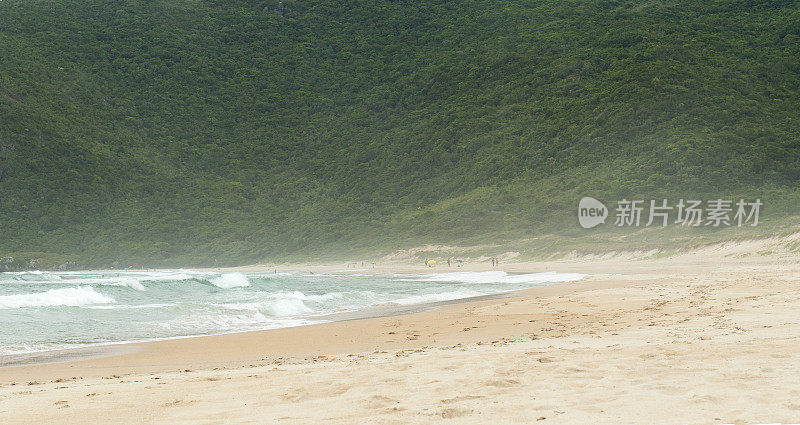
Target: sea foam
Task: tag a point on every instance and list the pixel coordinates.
(499, 277)
(230, 280)
(70, 297)
(40, 308)
(439, 296)
(29, 276)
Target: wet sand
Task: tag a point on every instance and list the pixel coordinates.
(710, 336)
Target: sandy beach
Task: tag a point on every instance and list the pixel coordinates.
(705, 337)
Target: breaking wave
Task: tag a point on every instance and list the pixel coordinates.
(69, 297)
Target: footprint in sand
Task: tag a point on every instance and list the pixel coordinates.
(337, 390)
(460, 398)
(451, 413)
(172, 403)
(379, 402)
(294, 395)
(502, 383)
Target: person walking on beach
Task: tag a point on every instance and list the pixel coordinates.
(448, 262)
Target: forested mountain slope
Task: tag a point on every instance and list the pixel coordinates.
(177, 132)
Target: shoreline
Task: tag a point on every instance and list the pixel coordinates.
(164, 355)
(702, 337)
(98, 350)
(601, 268)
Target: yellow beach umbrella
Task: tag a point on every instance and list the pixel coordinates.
(431, 261)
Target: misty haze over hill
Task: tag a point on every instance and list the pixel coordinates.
(172, 132)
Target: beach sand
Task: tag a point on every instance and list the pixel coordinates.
(709, 336)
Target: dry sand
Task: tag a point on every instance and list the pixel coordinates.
(708, 337)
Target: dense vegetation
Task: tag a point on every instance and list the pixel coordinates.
(193, 132)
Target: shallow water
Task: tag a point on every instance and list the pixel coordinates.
(44, 311)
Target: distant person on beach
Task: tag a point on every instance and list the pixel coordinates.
(448, 262)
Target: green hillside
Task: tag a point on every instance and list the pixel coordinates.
(188, 132)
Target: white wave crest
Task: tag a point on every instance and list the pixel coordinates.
(499, 277)
(440, 296)
(129, 282)
(287, 307)
(72, 297)
(230, 280)
(29, 276)
(281, 304)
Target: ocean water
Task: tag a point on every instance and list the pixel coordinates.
(43, 311)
